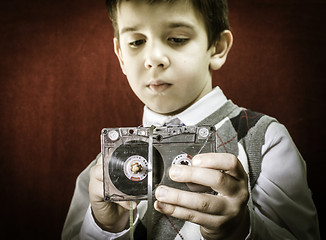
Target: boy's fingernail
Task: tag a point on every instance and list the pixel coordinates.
(160, 205)
(196, 161)
(175, 171)
(161, 192)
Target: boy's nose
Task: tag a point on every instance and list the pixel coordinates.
(156, 57)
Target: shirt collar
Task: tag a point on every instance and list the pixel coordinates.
(193, 114)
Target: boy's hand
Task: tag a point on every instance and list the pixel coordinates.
(221, 216)
(112, 217)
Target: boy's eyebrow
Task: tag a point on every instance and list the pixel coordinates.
(170, 25)
(180, 25)
(128, 29)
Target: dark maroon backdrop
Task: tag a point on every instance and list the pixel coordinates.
(60, 84)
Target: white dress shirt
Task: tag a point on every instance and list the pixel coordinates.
(280, 204)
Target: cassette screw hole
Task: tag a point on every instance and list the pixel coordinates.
(131, 131)
(203, 132)
(113, 135)
(159, 138)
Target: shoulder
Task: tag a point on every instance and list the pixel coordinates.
(251, 124)
(276, 133)
(278, 137)
(281, 154)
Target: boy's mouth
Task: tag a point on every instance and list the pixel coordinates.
(158, 86)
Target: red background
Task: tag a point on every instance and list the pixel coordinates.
(60, 84)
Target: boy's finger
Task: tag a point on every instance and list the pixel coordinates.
(97, 172)
(126, 204)
(206, 203)
(96, 190)
(203, 219)
(99, 161)
(220, 182)
(220, 161)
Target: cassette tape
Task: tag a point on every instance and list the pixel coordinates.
(125, 153)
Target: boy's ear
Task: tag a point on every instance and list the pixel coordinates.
(220, 50)
(118, 53)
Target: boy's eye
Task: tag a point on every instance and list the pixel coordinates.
(178, 41)
(137, 43)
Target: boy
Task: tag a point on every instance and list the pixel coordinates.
(168, 50)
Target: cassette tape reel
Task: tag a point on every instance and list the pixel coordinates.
(125, 157)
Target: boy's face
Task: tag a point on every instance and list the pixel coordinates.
(163, 51)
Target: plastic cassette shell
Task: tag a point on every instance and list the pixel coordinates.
(125, 154)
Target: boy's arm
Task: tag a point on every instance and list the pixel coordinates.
(78, 206)
(282, 202)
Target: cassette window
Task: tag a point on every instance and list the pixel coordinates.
(125, 157)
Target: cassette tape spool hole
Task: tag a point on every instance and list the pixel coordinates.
(128, 168)
(135, 168)
(182, 159)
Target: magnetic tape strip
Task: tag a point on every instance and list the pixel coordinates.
(126, 157)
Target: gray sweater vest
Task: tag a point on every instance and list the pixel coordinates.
(241, 126)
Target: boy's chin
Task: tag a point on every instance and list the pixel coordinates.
(168, 110)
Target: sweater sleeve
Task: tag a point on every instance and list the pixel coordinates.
(90, 230)
(78, 206)
(282, 204)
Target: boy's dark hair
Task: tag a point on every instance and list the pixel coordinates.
(214, 13)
